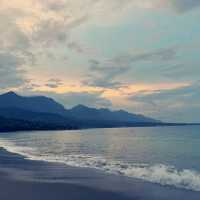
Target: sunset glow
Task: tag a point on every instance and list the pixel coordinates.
(123, 54)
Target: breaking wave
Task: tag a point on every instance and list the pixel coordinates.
(159, 173)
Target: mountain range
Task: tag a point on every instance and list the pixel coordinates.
(43, 113)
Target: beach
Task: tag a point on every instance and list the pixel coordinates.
(99, 100)
(23, 179)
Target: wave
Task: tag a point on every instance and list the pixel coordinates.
(159, 173)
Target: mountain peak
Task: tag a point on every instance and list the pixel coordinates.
(80, 106)
(10, 93)
(32, 103)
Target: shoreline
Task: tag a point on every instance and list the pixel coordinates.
(89, 128)
(27, 179)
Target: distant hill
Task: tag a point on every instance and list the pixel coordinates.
(43, 113)
(9, 125)
(34, 103)
(86, 113)
(48, 118)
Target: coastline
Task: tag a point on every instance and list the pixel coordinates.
(24, 179)
(137, 125)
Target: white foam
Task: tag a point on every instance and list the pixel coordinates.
(160, 174)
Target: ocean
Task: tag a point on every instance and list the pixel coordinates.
(168, 156)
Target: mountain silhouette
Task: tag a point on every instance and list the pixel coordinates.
(43, 113)
(84, 112)
(34, 103)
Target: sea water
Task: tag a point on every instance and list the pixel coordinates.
(169, 156)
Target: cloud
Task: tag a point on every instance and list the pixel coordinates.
(106, 74)
(30, 26)
(88, 99)
(184, 5)
(70, 99)
(11, 73)
(56, 31)
(181, 104)
(54, 83)
(182, 71)
(161, 54)
(75, 47)
(14, 51)
(36, 34)
(58, 18)
(103, 74)
(12, 37)
(49, 32)
(54, 5)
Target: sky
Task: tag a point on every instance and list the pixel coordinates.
(138, 55)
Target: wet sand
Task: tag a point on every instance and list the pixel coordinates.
(22, 179)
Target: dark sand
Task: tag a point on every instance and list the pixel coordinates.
(22, 179)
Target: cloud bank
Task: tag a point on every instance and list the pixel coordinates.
(58, 38)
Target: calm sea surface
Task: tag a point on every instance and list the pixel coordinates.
(164, 155)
